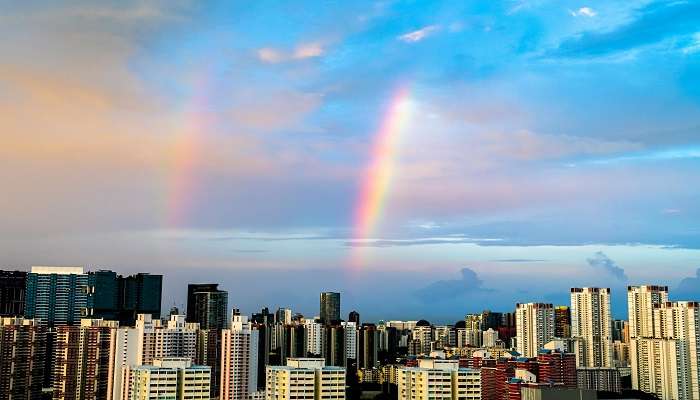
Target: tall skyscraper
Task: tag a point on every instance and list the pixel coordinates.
(641, 301)
(534, 327)
(12, 288)
(207, 305)
(149, 340)
(591, 326)
(22, 358)
(83, 360)
(350, 331)
(283, 316)
(239, 360)
(562, 322)
(115, 297)
(330, 307)
(56, 295)
(354, 316)
(368, 348)
(647, 352)
(315, 333)
(422, 335)
(170, 378)
(305, 378)
(334, 345)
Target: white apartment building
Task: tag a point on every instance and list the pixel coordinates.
(305, 379)
(239, 360)
(149, 340)
(591, 326)
(490, 337)
(641, 301)
(534, 324)
(170, 378)
(351, 340)
(436, 379)
(315, 335)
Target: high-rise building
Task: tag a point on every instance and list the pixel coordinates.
(334, 345)
(646, 355)
(591, 326)
(350, 330)
(562, 322)
(83, 360)
(283, 316)
(680, 322)
(169, 378)
(489, 338)
(599, 378)
(147, 341)
(12, 288)
(115, 297)
(56, 295)
(354, 316)
(557, 368)
(239, 360)
(534, 327)
(305, 379)
(641, 301)
(368, 348)
(315, 333)
(329, 307)
(207, 306)
(439, 379)
(22, 358)
(422, 335)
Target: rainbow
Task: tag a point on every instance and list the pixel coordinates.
(377, 179)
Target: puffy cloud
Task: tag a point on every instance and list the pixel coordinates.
(418, 35)
(688, 288)
(304, 51)
(468, 284)
(602, 262)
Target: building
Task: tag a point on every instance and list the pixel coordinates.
(239, 360)
(543, 392)
(170, 378)
(557, 368)
(315, 332)
(207, 306)
(12, 288)
(562, 322)
(438, 379)
(283, 316)
(534, 327)
(641, 301)
(329, 307)
(350, 330)
(422, 334)
(56, 295)
(354, 316)
(83, 363)
(646, 353)
(147, 341)
(305, 379)
(115, 297)
(599, 378)
(22, 358)
(591, 326)
(368, 349)
(334, 346)
(667, 364)
(489, 338)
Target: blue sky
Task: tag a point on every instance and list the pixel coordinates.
(550, 144)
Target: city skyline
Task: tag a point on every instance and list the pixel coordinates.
(493, 152)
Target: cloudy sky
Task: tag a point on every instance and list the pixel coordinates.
(426, 158)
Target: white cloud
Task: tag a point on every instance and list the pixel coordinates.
(303, 51)
(694, 45)
(420, 34)
(584, 12)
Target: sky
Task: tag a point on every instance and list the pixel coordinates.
(425, 158)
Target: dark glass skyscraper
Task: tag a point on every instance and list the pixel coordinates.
(114, 297)
(354, 316)
(562, 322)
(12, 289)
(330, 307)
(56, 295)
(207, 306)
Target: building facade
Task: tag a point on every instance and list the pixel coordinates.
(239, 360)
(435, 379)
(56, 295)
(171, 379)
(534, 327)
(591, 326)
(22, 358)
(305, 379)
(329, 307)
(13, 285)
